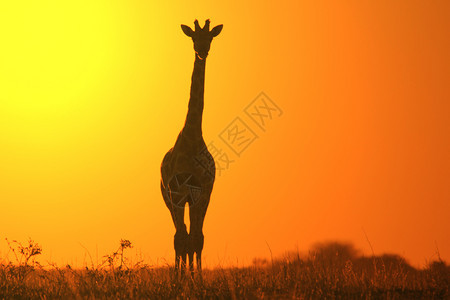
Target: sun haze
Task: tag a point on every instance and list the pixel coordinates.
(92, 94)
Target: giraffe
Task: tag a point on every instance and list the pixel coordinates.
(188, 169)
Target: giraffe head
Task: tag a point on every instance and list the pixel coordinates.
(202, 37)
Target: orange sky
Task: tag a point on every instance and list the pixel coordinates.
(93, 94)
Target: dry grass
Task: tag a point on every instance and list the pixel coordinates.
(331, 270)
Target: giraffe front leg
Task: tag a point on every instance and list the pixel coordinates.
(196, 240)
(183, 265)
(198, 257)
(177, 264)
(196, 237)
(180, 245)
(199, 262)
(191, 263)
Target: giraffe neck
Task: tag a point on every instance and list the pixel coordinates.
(193, 125)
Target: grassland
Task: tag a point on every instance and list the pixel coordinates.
(329, 271)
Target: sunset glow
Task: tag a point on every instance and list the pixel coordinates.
(93, 94)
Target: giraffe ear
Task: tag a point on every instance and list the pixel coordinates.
(216, 30)
(187, 30)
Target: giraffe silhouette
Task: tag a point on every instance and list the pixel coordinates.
(188, 169)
